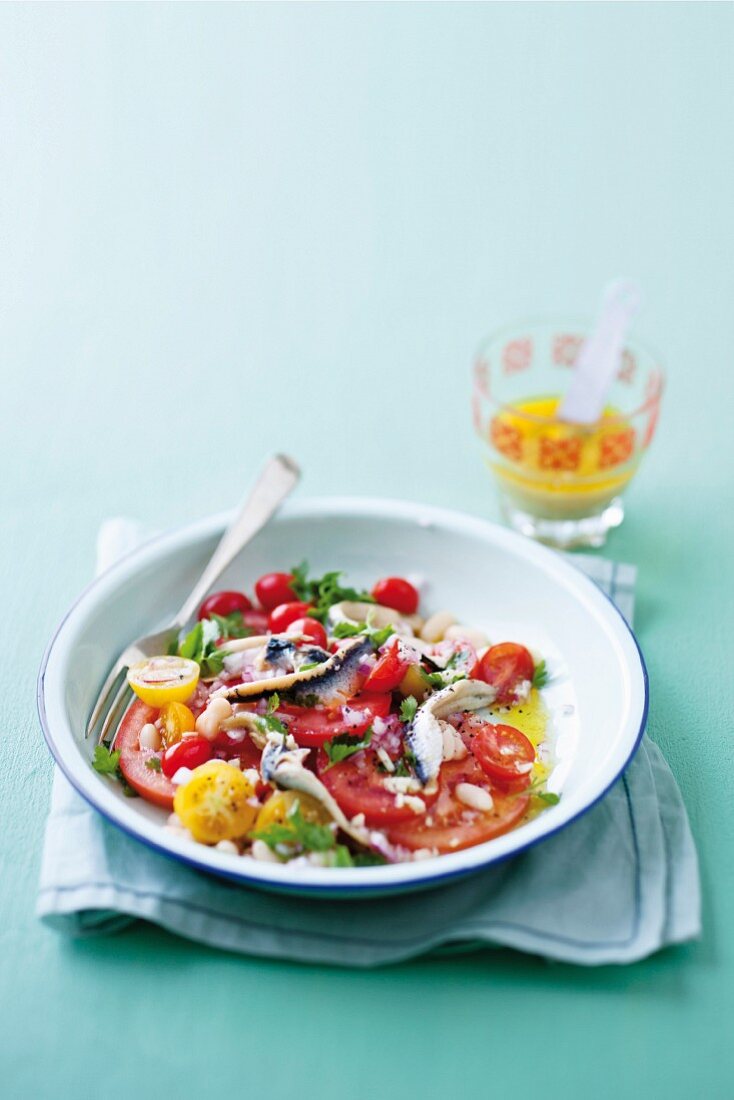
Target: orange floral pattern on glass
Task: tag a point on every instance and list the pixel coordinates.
(506, 439)
(616, 448)
(559, 454)
(566, 348)
(517, 355)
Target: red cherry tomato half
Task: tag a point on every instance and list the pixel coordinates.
(224, 603)
(151, 785)
(284, 614)
(390, 668)
(452, 824)
(506, 666)
(273, 589)
(397, 593)
(357, 785)
(314, 725)
(503, 752)
(311, 629)
(187, 753)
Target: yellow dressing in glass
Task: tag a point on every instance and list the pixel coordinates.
(560, 468)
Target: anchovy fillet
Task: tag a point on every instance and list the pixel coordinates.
(424, 737)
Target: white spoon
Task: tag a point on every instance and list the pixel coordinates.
(600, 355)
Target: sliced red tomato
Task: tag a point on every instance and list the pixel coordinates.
(453, 825)
(273, 589)
(224, 603)
(284, 614)
(314, 725)
(357, 784)
(506, 666)
(397, 593)
(154, 786)
(311, 629)
(391, 666)
(187, 753)
(503, 752)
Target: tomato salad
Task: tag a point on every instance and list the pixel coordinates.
(331, 726)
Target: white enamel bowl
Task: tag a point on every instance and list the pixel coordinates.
(487, 576)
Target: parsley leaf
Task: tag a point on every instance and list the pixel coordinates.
(193, 644)
(408, 707)
(367, 859)
(232, 626)
(269, 721)
(297, 832)
(537, 790)
(153, 763)
(343, 746)
(549, 797)
(324, 592)
(105, 762)
(306, 836)
(200, 645)
(351, 630)
(440, 680)
(540, 676)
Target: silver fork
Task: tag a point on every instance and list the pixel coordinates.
(278, 478)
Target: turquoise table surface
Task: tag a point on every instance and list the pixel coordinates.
(226, 230)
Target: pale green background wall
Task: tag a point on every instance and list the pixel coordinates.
(230, 229)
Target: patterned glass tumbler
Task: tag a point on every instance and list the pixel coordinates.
(560, 482)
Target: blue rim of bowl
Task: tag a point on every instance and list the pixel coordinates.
(336, 891)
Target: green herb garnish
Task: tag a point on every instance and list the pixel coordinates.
(537, 790)
(306, 836)
(408, 707)
(344, 746)
(200, 645)
(269, 721)
(351, 630)
(540, 676)
(232, 626)
(153, 763)
(324, 592)
(295, 831)
(440, 680)
(107, 762)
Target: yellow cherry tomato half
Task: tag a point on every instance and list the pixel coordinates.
(176, 719)
(162, 680)
(281, 805)
(217, 803)
(413, 684)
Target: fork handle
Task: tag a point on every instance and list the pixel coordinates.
(278, 478)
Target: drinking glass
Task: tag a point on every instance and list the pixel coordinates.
(560, 482)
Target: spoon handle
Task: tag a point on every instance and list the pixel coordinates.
(600, 354)
(276, 481)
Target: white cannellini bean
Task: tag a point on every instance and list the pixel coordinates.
(459, 633)
(150, 738)
(261, 851)
(436, 626)
(209, 721)
(227, 846)
(474, 797)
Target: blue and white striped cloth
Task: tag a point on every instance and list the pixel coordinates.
(613, 887)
